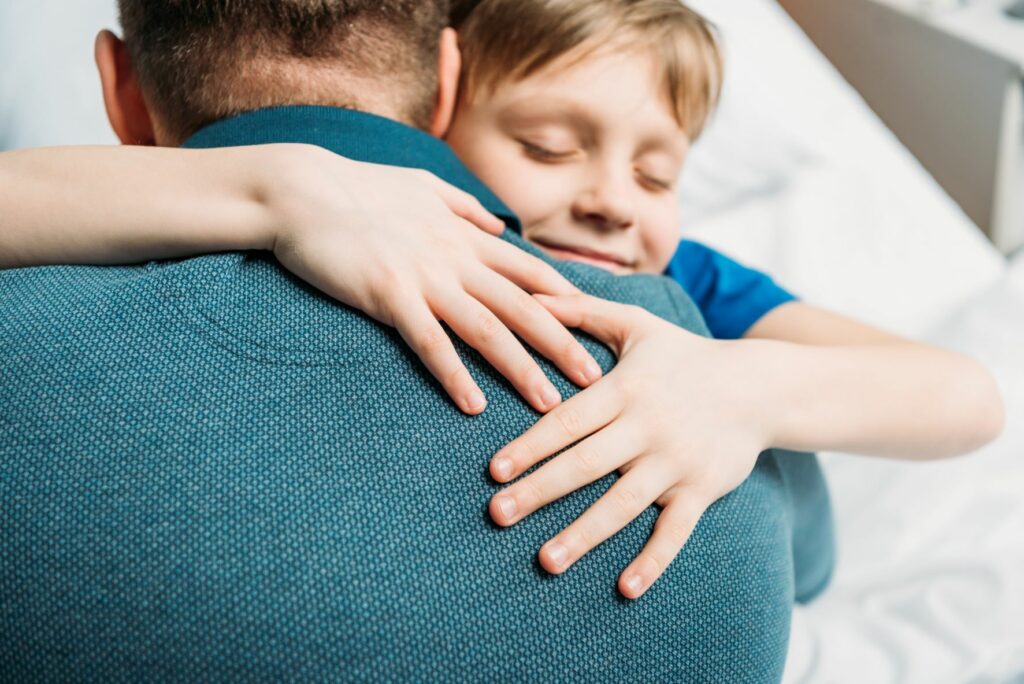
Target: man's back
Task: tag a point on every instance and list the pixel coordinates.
(210, 470)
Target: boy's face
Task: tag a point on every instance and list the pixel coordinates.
(587, 155)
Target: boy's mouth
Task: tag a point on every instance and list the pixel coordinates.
(593, 257)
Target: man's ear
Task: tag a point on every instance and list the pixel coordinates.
(449, 71)
(126, 109)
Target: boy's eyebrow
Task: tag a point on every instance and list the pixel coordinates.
(549, 109)
(675, 146)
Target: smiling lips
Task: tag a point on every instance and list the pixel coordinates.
(605, 260)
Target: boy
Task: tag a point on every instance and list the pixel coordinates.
(583, 131)
(579, 114)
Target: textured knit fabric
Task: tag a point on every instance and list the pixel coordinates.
(730, 296)
(209, 472)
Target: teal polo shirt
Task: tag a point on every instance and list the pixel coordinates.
(211, 472)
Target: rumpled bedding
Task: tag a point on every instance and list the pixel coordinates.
(797, 176)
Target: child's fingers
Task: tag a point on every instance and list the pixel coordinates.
(482, 330)
(468, 207)
(620, 505)
(610, 322)
(591, 459)
(671, 532)
(533, 323)
(421, 331)
(576, 418)
(525, 270)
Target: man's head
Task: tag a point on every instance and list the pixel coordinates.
(579, 114)
(187, 63)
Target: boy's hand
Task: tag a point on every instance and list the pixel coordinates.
(678, 417)
(410, 250)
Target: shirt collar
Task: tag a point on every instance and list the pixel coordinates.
(356, 135)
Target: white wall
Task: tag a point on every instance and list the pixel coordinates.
(49, 90)
(944, 97)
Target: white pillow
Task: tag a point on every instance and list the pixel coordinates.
(798, 177)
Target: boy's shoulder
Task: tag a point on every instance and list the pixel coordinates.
(731, 296)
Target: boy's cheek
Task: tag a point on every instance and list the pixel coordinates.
(537, 196)
(659, 248)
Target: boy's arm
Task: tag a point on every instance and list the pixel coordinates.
(803, 323)
(842, 385)
(330, 220)
(115, 205)
(683, 419)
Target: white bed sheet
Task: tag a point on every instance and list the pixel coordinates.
(930, 582)
(797, 176)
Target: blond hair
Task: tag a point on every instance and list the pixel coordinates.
(508, 40)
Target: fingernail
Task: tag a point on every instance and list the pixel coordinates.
(634, 583)
(503, 467)
(475, 401)
(558, 554)
(549, 396)
(507, 506)
(591, 371)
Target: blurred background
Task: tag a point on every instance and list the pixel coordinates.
(869, 154)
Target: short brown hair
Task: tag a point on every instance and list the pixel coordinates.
(203, 60)
(506, 40)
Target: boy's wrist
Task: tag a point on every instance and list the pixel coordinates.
(282, 177)
(771, 369)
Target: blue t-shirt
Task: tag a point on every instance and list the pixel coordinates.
(731, 296)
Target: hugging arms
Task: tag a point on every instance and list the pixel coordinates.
(681, 417)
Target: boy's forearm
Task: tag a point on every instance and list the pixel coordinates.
(907, 400)
(129, 204)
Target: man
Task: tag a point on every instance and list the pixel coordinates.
(212, 472)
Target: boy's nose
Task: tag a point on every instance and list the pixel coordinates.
(607, 207)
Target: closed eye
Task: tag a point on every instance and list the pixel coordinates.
(544, 154)
(655, 183)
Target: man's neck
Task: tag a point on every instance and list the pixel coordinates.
(356, 135)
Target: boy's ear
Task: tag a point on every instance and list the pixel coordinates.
(449, 71)
(126, 109)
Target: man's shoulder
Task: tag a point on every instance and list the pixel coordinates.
(31, 296)
(245, 304)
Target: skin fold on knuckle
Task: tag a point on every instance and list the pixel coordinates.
(585, 537)
(588, 462)
(650, 565)
(528, 375)
(525, 311)
(530, 495)
(487, 328)
(520, 453)
(458, 380)
(675, 531)
(432, 342)
(626, 503)
(570, 421)
(570, 352)
(538, 276)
